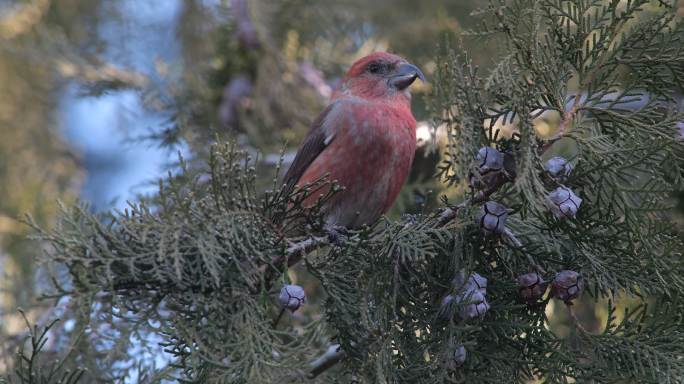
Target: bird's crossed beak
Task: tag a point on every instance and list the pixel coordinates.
(405, 75)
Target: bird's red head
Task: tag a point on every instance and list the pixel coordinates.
(380, 75)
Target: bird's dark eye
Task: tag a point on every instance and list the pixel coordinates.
(374, 68)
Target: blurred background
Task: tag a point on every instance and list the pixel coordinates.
(98, 98)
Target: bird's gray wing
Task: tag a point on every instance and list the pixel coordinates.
(321, 134)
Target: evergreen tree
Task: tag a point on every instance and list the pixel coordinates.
(456, 295)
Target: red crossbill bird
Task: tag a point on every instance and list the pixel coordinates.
(365, 140)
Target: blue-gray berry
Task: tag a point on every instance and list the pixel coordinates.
(477, 282)
(489, 173)
(460, 355)
(492, 217)
(564, 203)
(489, 159)
(567, 285)
(475, 304)
(291, 297)
(531, 287)
(558, 167)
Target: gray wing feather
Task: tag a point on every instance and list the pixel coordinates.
(318, 138)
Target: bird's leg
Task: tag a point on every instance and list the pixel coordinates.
(337, 234)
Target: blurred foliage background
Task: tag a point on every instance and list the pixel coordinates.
(97, 97)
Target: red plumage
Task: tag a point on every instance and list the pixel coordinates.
(365, 139)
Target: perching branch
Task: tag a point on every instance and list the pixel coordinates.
(297, 250)
(292, 255)
(567, 118)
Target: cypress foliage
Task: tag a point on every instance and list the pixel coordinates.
(201, 265)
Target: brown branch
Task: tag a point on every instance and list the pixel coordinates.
(519, 245)
(449, 214)
(296, 251)
(332, 356)
(568, 118)
(570, 115)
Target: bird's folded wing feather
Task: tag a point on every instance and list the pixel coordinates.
(321, 134)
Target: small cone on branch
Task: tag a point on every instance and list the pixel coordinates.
(470, 298)
(476, 304)
(489, 171)
(564, 203)
(489, 159)
(558, 167)
(457, 356)
(475, 310)
(531, 287)
(492, 218)
(291, 297)
(477, 282)
(567, 286)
